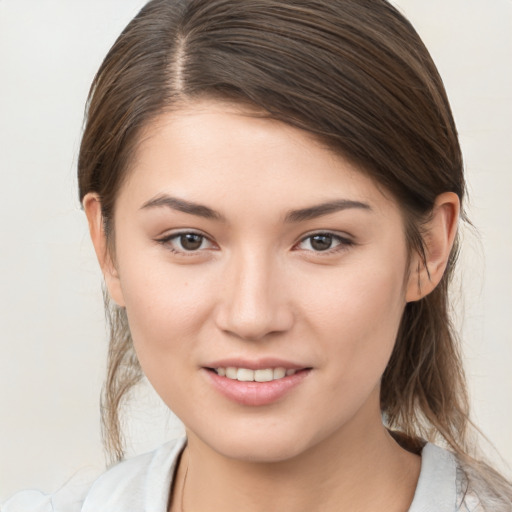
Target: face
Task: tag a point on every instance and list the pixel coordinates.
(245, 248)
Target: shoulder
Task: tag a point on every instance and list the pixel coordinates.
(67, 499)
(481, 489)
(446, 484)
(139, 483)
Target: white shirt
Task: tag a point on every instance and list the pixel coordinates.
(143, 483)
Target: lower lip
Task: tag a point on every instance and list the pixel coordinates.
(256, 393)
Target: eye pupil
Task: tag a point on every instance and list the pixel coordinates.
(321, 242)
(191, 241)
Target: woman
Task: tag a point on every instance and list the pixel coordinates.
(273, 190)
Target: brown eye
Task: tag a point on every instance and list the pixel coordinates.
(324, 242)
(321, 242)
(187, 243)
(191, 241)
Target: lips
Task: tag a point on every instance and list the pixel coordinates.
(255, 383)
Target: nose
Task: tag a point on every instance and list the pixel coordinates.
(253, 302)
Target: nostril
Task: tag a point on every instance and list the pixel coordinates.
(250, 325)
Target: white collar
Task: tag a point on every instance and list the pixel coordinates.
(437, 488)
(143, 483)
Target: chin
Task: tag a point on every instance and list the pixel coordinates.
(261, 451)
(258, 445)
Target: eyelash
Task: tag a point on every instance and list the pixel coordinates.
(342, 243)
(167, 242)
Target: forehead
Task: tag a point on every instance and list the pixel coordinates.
(216, 151)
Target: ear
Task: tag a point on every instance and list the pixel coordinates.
(438, 240)
(92, 208)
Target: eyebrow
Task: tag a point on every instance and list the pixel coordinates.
(292, 216)
(324, 209)
(183, 206)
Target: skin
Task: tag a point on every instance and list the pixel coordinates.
(257, 287)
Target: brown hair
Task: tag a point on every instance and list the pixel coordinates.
(356, 75)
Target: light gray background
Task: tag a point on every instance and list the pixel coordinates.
(52, 335)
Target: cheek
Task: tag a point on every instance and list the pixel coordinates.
(355, 323)
(357, 313)
(166, 312)
(166, 307)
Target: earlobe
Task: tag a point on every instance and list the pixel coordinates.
(438, 238)
(92, 208)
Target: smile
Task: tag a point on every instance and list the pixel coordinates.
(248, 375)
(255, 387)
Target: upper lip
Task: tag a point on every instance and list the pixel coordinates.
(256, 364)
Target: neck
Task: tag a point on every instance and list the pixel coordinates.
(357, 469)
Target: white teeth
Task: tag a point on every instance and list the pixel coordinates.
(231, 373)
(279, 373)
(263, 375)
(247, 375)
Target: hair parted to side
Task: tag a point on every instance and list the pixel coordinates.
(355, 74)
